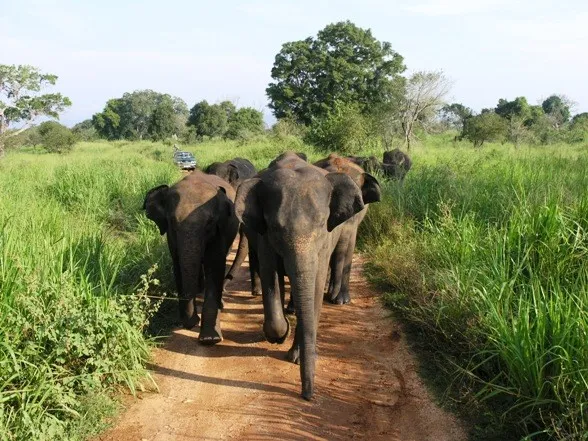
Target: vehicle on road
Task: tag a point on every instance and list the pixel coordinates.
(185, 160)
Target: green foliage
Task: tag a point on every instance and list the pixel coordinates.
(455, 116)
(20, 101)
(487, 126)
(85, 131)
(132, 116)
(56, 138)
(343, 64)
(558, 108)
(344, 130)
(164, 122)
(578, 131)
(209, 120)
(485, 252)
(244, 124)
(224, 120)
(518, 108)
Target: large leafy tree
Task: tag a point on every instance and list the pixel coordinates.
(21, 101)
(558, 108)
(210, 120)
(518, 115)
(244, 123)
(131, 116)
(487, 126)
(456, 115)
(344, 64)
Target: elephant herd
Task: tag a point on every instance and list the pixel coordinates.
(293, 218)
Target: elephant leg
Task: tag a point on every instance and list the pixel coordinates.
(344, 296)
(254, 272)
(190, 265)
(275, 325)
(239, 258)
(281, 281)
(214, 266)
(337, 264)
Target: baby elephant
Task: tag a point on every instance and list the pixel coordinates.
(198, 216)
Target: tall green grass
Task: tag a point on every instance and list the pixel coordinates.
(77, 260)
(486, 253)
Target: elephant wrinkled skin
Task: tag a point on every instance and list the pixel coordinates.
(198, 216)
(296, 210)
(340, 261)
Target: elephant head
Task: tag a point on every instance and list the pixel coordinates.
(294, 207)
(225, 170)
(155, 207)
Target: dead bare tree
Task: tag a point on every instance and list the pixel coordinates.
(424, 96)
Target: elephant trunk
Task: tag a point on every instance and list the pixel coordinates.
(239, 257)
(304, 291)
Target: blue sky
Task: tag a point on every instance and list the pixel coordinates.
(225, 49)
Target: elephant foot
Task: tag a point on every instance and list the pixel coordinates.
(341, 299)
(290, 310)
(210, 337)
(278, 336)
(293, 355)
(191, 322)
(256, 292)
(226, 282)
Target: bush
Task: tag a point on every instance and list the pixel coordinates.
(244, 124)
(85, 131)
(344, 130)
(56, 138)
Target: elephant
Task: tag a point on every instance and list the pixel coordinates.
(342, 256)
(396, 164)
(198, 216)
(296, 210)
(235, 171)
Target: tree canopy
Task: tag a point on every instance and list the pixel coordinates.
(225, 120)
(344, 64)
(141, 114)
(558, 107)
(21, 101)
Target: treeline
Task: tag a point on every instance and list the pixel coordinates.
(145, 114)
(518, 122)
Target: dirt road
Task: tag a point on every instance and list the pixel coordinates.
(243, 389)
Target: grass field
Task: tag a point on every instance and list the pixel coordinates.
(482, 252)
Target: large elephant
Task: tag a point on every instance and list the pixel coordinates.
(235, 171)
(341, 259)
(295, 209)
(198, 216)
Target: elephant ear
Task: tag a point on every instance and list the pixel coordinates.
(155, 207)
(232, 174)
(370, 189)
(346, 200)
(247, 206)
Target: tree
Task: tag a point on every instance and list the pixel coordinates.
(21, 101)
(517, 114)
(56, 138)
(344, 130)
(210, 120)
(245, 123)
(85, 131)
(456, 116)
(485, 127)
(558, 108)
(424, 96)
(130, 116)
(163, 123)
(344, 64)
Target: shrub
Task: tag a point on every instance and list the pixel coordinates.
(56, 138)
(344, 130)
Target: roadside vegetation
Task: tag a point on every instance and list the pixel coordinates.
(482, 250)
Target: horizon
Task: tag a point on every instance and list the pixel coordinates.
(226, 51)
